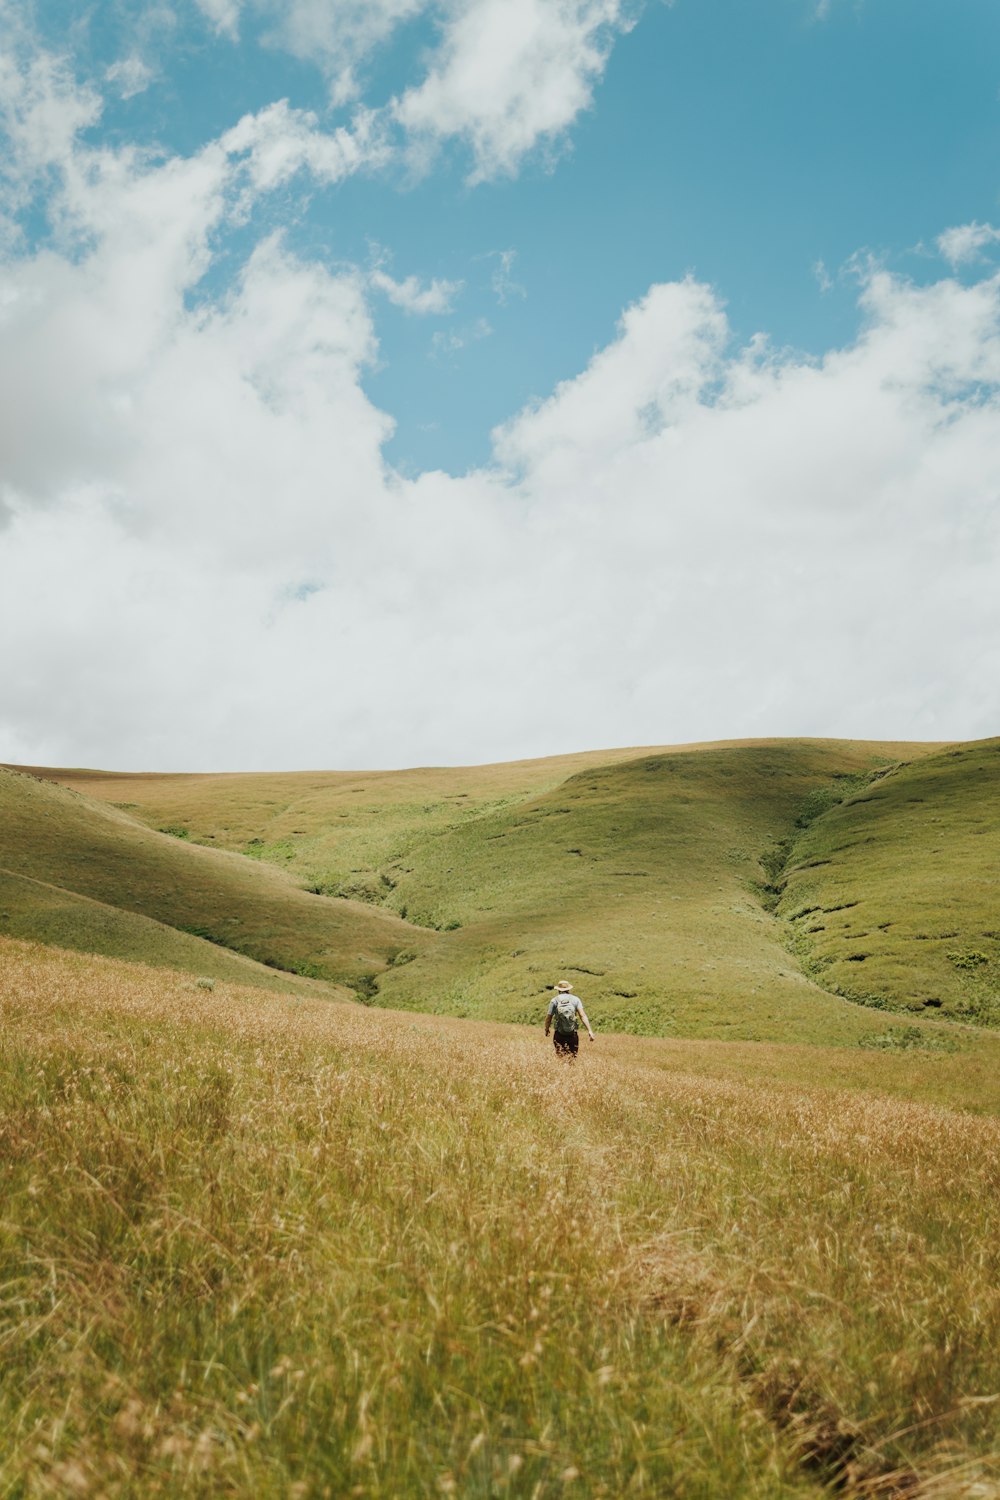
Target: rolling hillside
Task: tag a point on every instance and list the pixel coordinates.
(32, 908)
(894, 892)
(664, 883)
(302, 1247)
(84, 875)
(642, 882)
(332, 828)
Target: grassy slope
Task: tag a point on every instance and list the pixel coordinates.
(630, 872)
(267, 1246)
(637, 881)
(331, 828)
(895, 893)
(33, 909)
(57, 838)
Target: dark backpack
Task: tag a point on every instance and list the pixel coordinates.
(565, 1012)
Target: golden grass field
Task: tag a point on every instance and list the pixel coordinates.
(257, 1239)
(268, 1245)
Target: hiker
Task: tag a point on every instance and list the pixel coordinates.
(564, 1007)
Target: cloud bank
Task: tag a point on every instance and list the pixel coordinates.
(206, 561)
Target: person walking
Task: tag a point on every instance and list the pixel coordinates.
(564, 1010)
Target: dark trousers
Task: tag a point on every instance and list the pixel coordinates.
(566, 1043)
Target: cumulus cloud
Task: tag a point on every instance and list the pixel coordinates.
(279, 141)
(504, 76)
(42, 111)
(966, 242)
(207, 562)
(510, 74)
(651, 377)
(205, 559)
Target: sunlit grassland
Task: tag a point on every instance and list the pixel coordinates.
(645, 877)
(269, 1245)
(60, 853)
(36, 909)
(306, 817)
(643, 883)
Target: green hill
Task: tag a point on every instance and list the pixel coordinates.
(894, 892)
(649, 878)
(333, 828)
(645, 883)
(280, 1236)
(80, 874)
(36, 910)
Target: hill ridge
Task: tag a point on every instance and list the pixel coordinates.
(658, 875)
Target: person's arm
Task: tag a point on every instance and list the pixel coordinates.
(548, 1016)
(583, 1018)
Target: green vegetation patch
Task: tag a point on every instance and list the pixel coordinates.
(893, 893)
(67, 847)
(820, 891)
(911, 1039)
(640, 882)
(32, 909)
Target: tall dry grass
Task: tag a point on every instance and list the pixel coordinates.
(266, 1246)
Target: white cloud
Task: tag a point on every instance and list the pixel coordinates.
(413, 295)
(207, 563)
(130, 76)
(42, 111)
(505, 76)
(652, 377)
(223, 15)
(280, 141)
(339, 35)
(205, 560)
(509, 75)
(966, 242)
(78, 332)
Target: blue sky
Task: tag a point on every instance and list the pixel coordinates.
(744, 141)
(724, 168)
